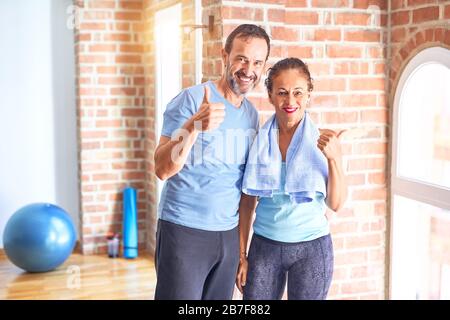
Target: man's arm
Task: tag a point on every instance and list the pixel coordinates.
(171, 154)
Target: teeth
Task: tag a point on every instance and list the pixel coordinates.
(244, 78)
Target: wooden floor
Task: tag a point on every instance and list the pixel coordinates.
(81, 277)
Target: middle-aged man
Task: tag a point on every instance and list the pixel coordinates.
(197, 241)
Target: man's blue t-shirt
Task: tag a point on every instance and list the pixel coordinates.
(205, 194)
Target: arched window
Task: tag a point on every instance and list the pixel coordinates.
(420, 180)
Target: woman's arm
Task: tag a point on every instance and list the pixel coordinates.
(337, 186)
(330, 146)
(247, 207)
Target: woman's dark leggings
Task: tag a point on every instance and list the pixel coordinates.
(307, 265)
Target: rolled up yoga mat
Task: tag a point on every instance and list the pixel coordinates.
(130, 227)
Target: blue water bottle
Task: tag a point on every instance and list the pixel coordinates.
(130, 226)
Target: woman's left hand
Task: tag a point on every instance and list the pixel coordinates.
(329, 143)
(241, 276)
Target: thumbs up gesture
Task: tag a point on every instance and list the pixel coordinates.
(211, 115)
(329, 143)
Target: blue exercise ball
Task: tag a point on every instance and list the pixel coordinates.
(39, 237)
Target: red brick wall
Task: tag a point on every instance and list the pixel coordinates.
(349, 46)
(415, 25)
(188, 79)
(110, 111)
(344, 44)
(212, 43)
(116, 112)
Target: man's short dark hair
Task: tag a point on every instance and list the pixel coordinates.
(247, 31)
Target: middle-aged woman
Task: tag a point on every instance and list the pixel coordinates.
(294, 170)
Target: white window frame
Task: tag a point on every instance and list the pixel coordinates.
(169, 14)
(438, 196)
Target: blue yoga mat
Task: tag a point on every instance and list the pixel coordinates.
(130, 226)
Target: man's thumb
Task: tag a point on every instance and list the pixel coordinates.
(207, 94)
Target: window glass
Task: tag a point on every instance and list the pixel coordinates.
(422, 250)
(424, 125)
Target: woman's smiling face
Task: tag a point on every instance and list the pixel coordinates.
(290, 95)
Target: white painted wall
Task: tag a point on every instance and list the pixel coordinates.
(38, 159)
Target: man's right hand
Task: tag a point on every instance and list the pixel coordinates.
(211, 115)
